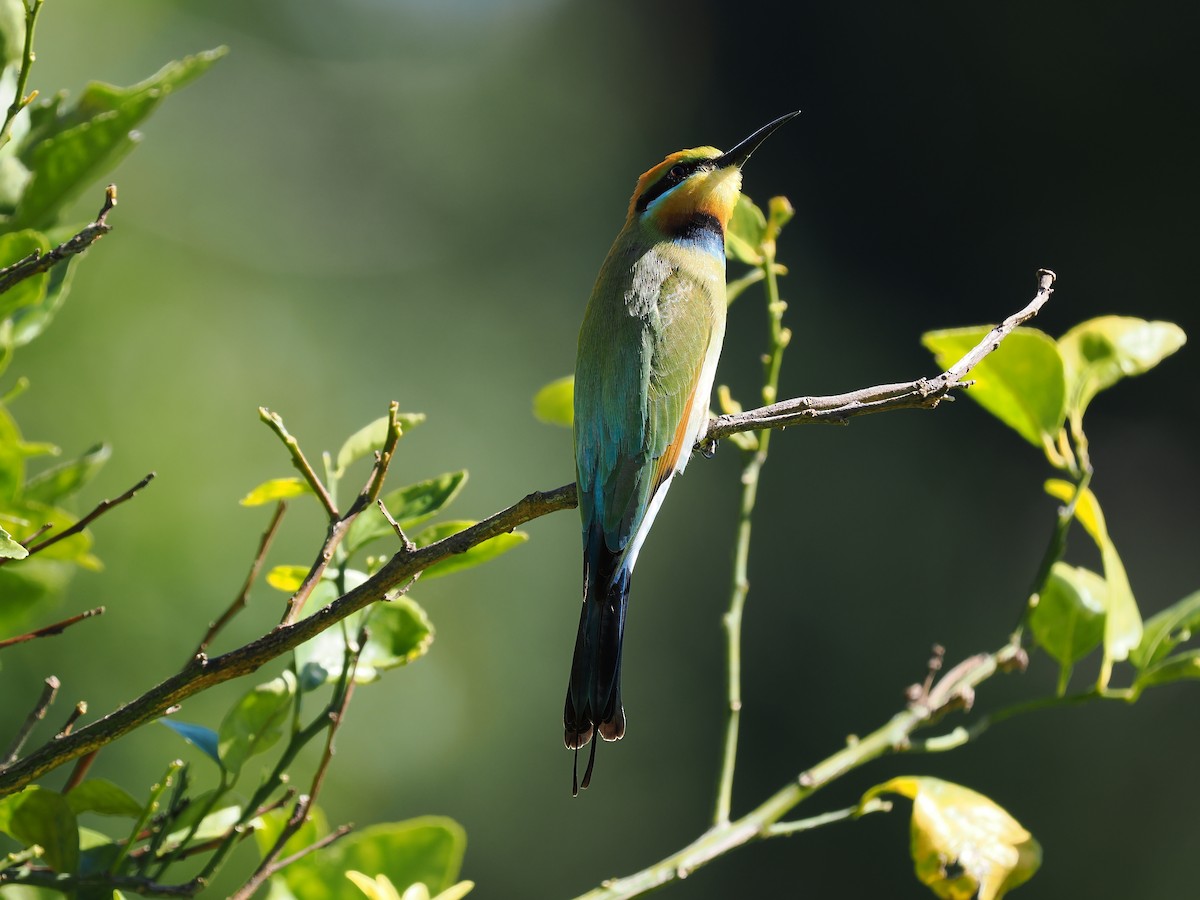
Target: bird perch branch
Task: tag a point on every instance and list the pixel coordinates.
(202, 673)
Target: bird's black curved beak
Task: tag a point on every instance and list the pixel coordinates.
(739, 154)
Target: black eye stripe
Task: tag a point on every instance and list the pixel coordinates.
(677, 173)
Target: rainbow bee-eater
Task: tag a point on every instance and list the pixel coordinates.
(648, 353)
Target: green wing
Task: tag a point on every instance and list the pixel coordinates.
(641, 351)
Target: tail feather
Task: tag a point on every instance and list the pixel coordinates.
(593, 701)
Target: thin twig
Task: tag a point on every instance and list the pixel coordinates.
(20, 100)
(25, 542)
(405, 541)
(785, 829)
(339, 527)
(80, 708)
(50, 630)
(37, 262)
(49, 692)
(299, 461)
(243, 597)
(259, 878)
(924, 393)
(101, 508)
(80, 771)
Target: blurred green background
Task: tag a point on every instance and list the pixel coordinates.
(373, 200)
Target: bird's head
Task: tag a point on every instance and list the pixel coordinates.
(695, 185)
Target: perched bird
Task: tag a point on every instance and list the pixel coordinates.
(648, 353)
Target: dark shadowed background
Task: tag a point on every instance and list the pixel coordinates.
(373, 200)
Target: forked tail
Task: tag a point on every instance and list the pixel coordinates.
(594, 693)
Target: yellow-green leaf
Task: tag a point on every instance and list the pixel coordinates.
(964, 846)
(287, 578)
(555, 403)
(1100, 352)
(276, 489)
(1123, 622)
(1021, 383)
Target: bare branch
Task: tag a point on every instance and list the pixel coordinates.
(240, 601)
(80, 708)
(275, 423)
(924, 393)
(405, 541)
(36, 263)
(51, 630)
(265, 872)
(101, 508)
(340, 525)
(49, 692)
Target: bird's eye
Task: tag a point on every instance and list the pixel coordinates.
(677, 173)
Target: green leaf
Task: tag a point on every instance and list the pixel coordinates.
(27, 585)
(427, 851)
(1122, 622)
(1166, 630)
(200, 737)
(213, 826)
(745, 232)
(398, 632)
(314, 828)
(1173, 668)
(12, 460)
(10, 548)
(31, 291)
(1068, 621)
(1100, 352)
(103, 798)
(97, 854)
(43, 817)
(554, 404)
(372, 437)
(75, 549)
(1021, 383)
(68, 150)
(962, 843)
(256, 722)
(408, 506)
(30, 321)
(12, 32)
(67, 478)
(276, 489)
(480, 553)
